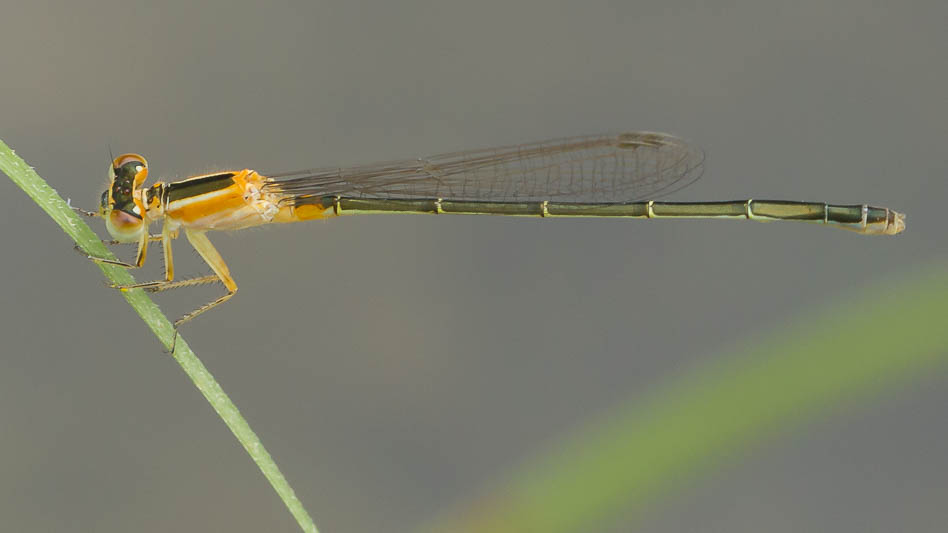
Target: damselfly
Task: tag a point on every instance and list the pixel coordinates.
(594, 176)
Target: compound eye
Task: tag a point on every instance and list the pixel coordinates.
(131, 168)
(129, 159)
(123, 221)
(124, 226)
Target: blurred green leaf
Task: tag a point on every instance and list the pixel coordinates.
(643, 450)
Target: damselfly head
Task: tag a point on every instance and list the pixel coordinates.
(121, 205)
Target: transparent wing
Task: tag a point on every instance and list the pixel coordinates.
(592, 169)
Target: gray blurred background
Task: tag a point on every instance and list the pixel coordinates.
(397, 366)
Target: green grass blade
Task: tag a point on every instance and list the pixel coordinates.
(644, 449)
(47, 198)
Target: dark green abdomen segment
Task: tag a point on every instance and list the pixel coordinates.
(859, 218)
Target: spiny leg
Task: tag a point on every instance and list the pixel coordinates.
(116, 262)
(83, 212)
(206, 307)
(154, 237)
(213, 258)
(167, 234)
(103, 260)
(161, 285)
(188, 316)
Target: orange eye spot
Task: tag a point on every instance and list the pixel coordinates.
(121, 160)
(132, 166)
